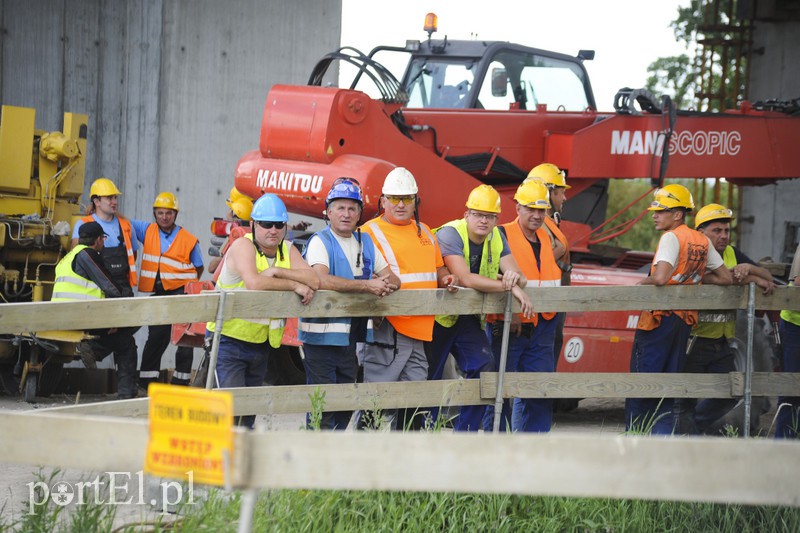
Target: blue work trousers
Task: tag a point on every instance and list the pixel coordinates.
(662, 349)
(467, 341)
(531, 351)
(331, 364)
(787, 423)
(241, 364)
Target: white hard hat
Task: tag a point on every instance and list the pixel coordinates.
(399, 182)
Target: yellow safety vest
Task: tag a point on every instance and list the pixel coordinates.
(492, 248)
(71, 286)
(717, 324)
(254, 330)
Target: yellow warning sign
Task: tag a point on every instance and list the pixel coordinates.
(190, 430)
(329, 151)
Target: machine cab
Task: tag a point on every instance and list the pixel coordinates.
(495, 76)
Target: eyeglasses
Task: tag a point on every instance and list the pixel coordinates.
(269, 225)
(407, 200)
(489, 217)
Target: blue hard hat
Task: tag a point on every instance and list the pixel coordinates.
(345, 188)
(269, 208)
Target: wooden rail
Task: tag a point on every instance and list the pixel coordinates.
(688, 469)
(25, 317)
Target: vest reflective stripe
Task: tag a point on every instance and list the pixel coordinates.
(174, 266)
(127, 236)
(414, 259)
(492, 247)
(418, 277)
(71, 286)
(336, 331)
(548, 276)
(256, 330)
(688, 271)
(722, 323)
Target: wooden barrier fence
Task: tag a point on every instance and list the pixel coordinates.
(687, 469)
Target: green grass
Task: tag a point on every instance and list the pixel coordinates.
(361, 511)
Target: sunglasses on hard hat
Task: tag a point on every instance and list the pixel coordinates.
(394, 200)
(269, 225)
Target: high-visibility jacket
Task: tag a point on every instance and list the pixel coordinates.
(545, 274)
(557, 234)
(714, 324)
(335, 331)
(173, 266)
(255, 330)
(71, 286)
(692, 260)
(127, 236)
(490, 259)
(414, 259)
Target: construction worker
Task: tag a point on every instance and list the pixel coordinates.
(684, 257)
(397, 352)
(787, 420)
(530, 345)
(239, 208)
(709, 344)
(119, 252)
(555, 180)
(477, 253)
(171, 258)
(346, 261)
(119, 257)
(82, 275)
(261, 260)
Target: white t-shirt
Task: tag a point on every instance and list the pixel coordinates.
(316, 254)
(669, 251)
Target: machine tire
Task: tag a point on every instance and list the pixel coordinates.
(31, 383)
(50, 377)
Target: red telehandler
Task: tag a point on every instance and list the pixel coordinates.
(471, 112)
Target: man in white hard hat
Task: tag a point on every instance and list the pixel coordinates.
(397, 352)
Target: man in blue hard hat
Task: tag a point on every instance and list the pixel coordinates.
(261, 260)
(346, 260)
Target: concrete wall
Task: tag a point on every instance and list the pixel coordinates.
(771, 209)
(174, 89)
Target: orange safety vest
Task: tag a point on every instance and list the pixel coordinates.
(548, 276)
(692, 260)
(556, 232)
(127, 236)
(415, 260)
(175, 265)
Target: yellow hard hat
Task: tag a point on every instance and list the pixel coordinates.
(710, 213)
(550, 174)
(671, 196)
(166, 200)
(484, 198)
(103, 187)
(533, 194)
(242, 208)
(236, 195)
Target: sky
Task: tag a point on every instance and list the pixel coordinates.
(626, 36)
